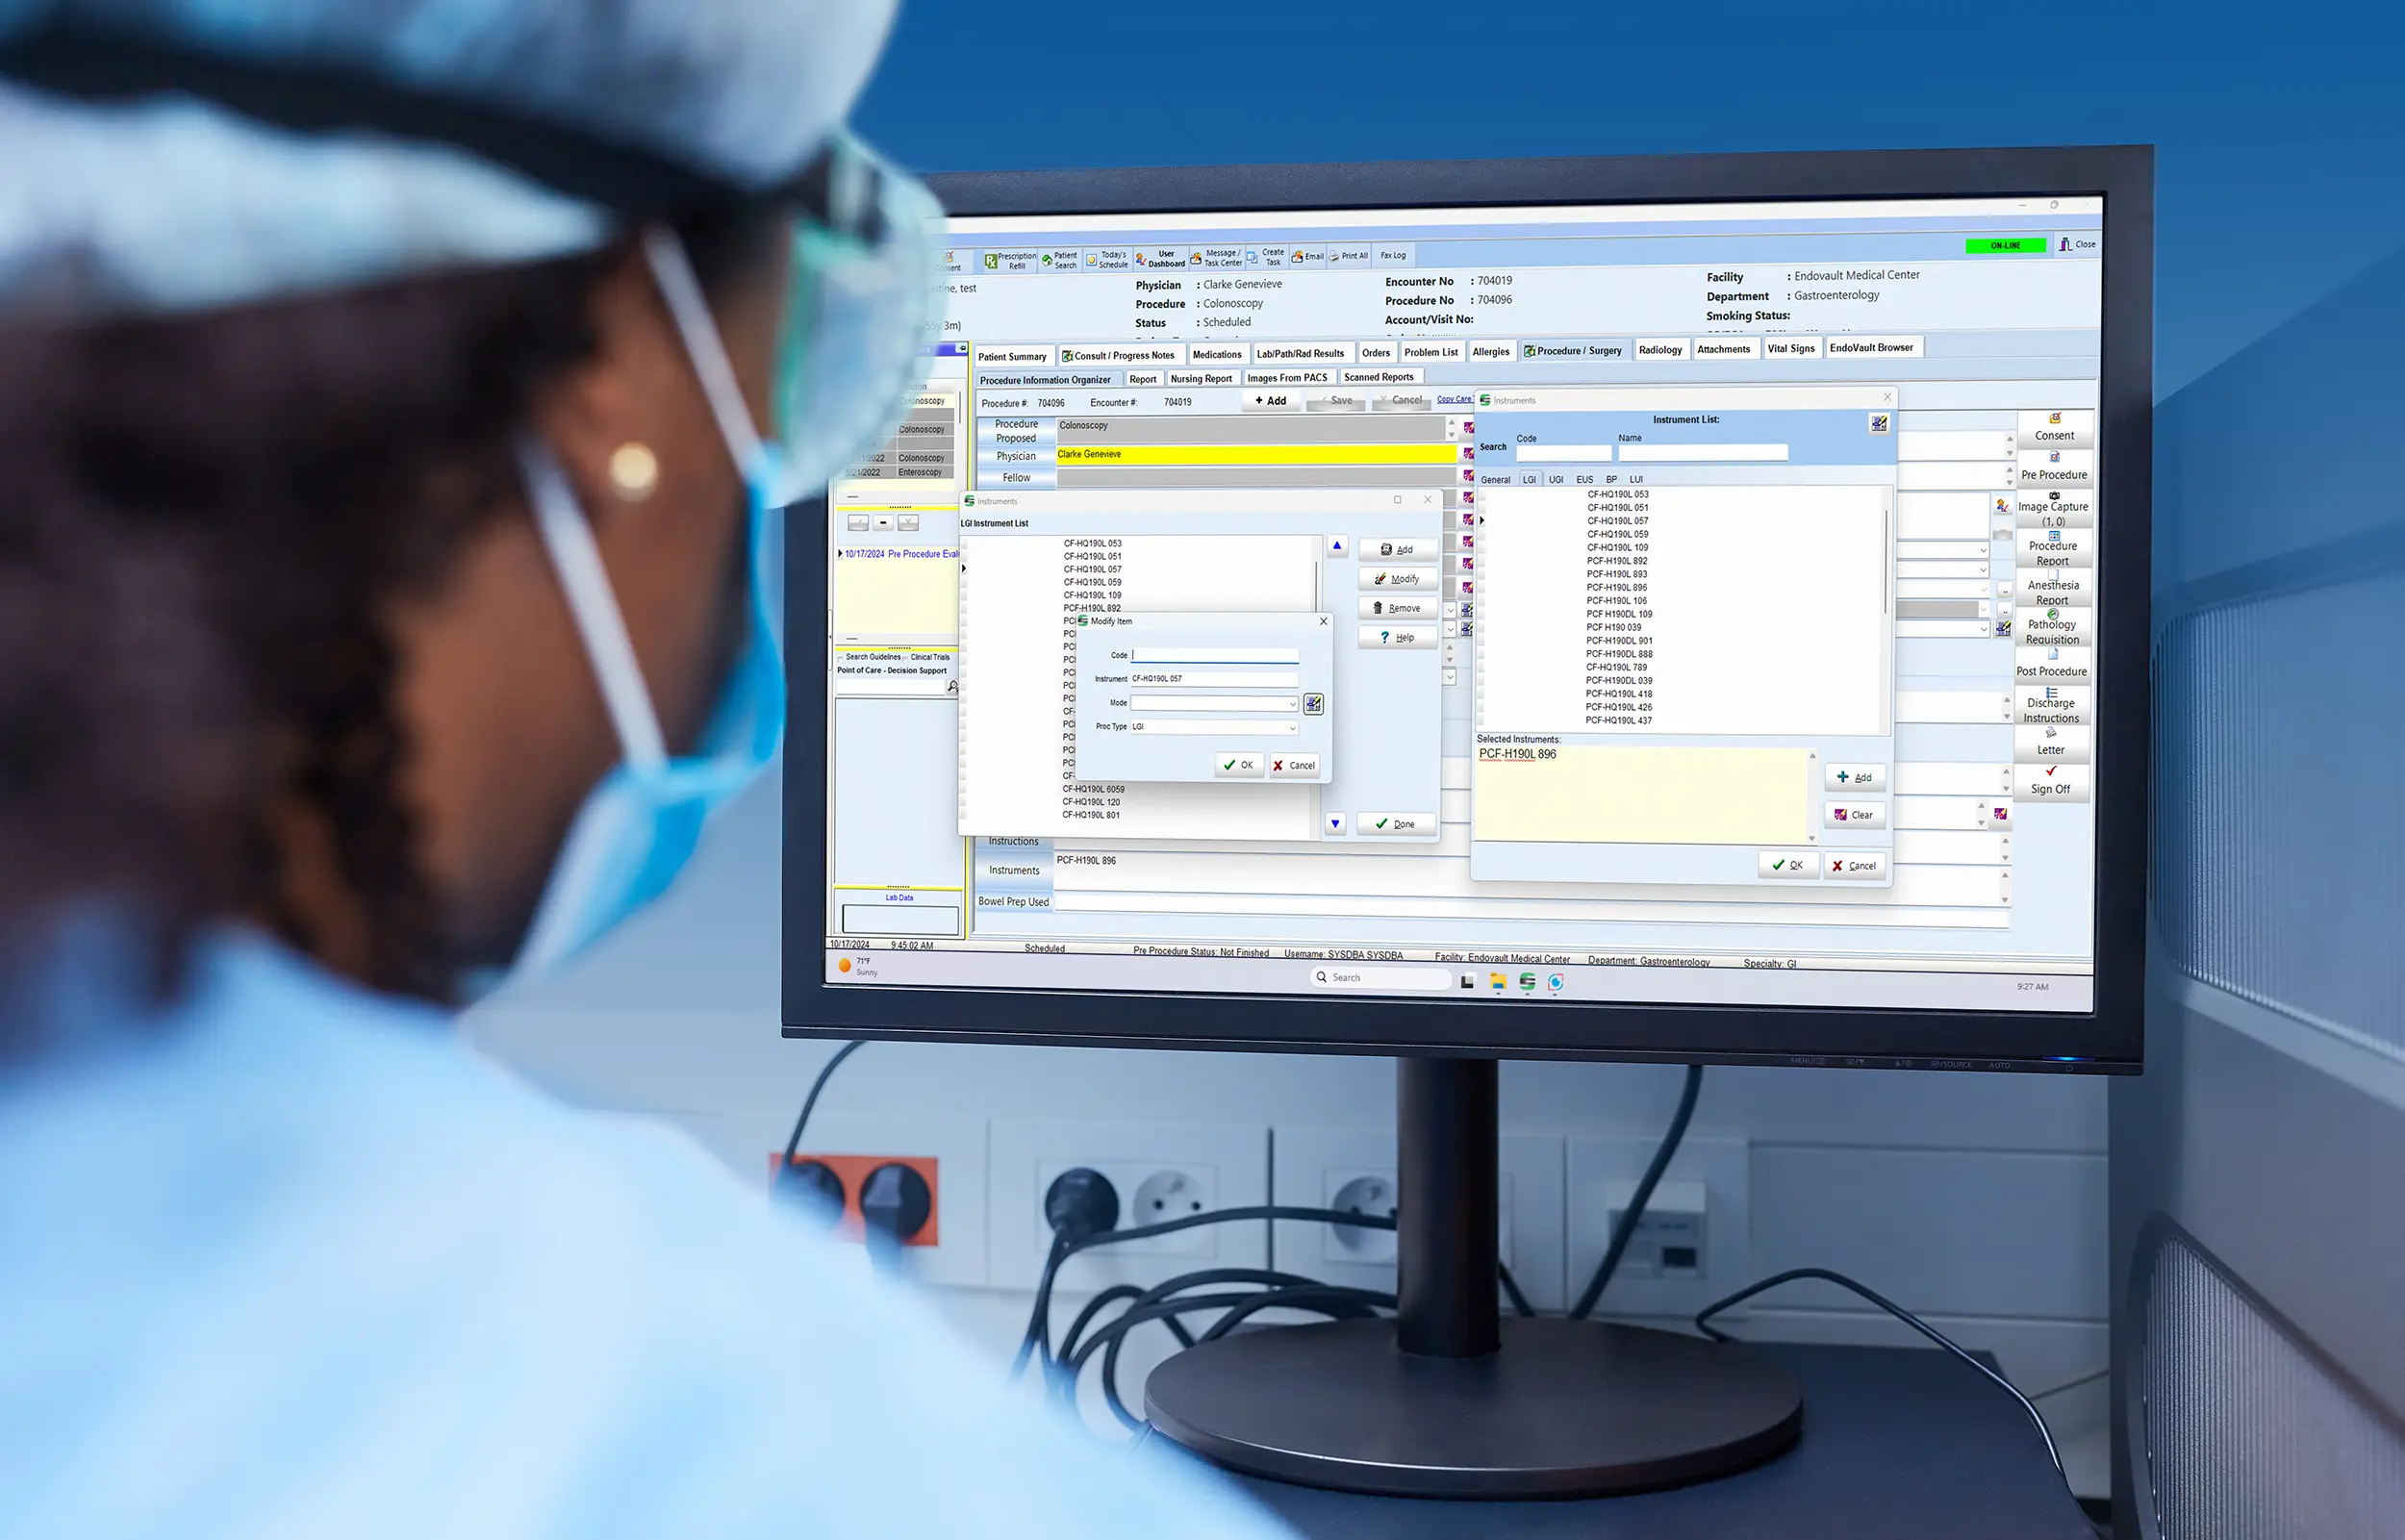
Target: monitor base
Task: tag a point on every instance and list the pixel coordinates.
(1564, 1409)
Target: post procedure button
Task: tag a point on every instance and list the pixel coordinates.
(1854, 866)
(1237, 763)
(1788, 866)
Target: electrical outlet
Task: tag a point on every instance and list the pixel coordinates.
(859, 1183)
(1673, 1236)
(1375, 1191)
(1150, 1193)
(1701, 1201)
(1347, 1169)
(1158, 1171)
(947, 1154)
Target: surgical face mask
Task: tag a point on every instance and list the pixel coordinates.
(865, 291)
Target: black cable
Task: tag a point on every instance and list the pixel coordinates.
(1139, 1295)
(1040, 1319)
(826, 1073)
(1035, 1342)
(1624, 1231)
(1321, 1299)
(1703, 1324)
(1511, 1286)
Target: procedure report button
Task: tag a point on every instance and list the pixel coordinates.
(1381, 980)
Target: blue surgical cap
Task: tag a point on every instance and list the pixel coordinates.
(168, 155)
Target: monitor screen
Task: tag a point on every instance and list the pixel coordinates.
(1676, 603)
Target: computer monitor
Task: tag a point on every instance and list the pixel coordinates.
(1687, 609)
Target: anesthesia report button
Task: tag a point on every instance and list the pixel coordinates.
(1788, 866)
(1239, 764)
(1854, 866)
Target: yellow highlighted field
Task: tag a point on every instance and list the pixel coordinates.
(1596, 794)
(1256, 454)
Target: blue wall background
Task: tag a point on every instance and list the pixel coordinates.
(2281, 127)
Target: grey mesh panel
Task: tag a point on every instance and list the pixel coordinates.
(2280, 836)
(2241, 1433)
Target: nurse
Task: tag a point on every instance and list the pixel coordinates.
(395, 402)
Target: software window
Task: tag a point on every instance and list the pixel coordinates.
(1664, 603)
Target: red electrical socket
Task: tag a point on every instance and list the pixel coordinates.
(853, 1170)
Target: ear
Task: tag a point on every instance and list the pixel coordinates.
(638, 389)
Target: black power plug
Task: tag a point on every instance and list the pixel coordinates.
(1081, 1203)
(812, 1187)
(896, 1203)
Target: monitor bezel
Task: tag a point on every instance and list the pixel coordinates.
(2107, 1038)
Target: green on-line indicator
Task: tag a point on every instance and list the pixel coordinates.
(2006, 246)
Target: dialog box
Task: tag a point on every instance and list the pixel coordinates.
(1685, 671)
(1204, 697)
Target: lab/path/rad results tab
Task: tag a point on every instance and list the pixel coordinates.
(1691, 603)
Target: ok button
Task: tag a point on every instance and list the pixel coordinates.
(1237, 764)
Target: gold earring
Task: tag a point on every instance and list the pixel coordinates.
(634, 471)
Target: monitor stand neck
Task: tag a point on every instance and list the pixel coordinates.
(1445, 1213)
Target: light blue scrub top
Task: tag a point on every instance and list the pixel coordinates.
(303, 1266)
